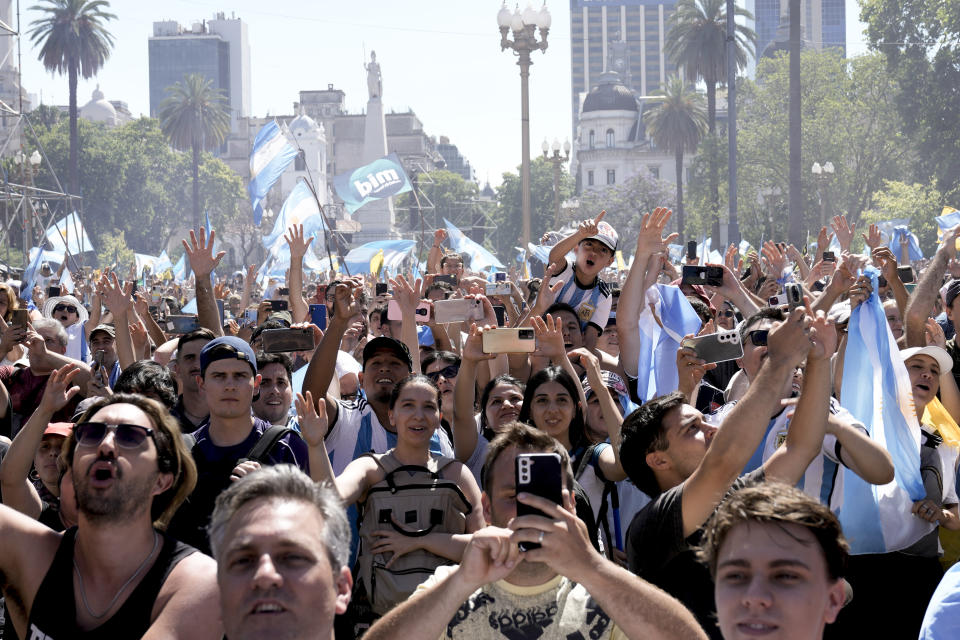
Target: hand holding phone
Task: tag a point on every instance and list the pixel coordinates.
(538, 474)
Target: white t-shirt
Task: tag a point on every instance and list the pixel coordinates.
(593, 305)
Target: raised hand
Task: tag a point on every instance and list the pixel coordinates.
(407, 293)
(823, 336)
(589, 228)
(790, 341)
(872, 237)
(312, 418)
(775, 257)
(860, 291)
(346, 303)
(884, 258)
(473, 346)
(298, 244)
(549, 335)
(548, 292)
(933, 334)
(650, 239)
(115, 296)
(691, 369)
(200, 253)
(844, 231)
(950, 241)
(823, 240)
(439, 236)
(60, 389)
(730, 260)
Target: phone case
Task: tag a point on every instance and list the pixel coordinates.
(694, 274)
(182, 324)
(498, 289)
(538, 474)
(716, 347)
(284, 340)
(423, 311)
(457, 310)
(509, 340)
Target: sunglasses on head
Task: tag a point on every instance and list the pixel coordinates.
(758, 337)
(127, 436)
(69, 308)
(446, 372)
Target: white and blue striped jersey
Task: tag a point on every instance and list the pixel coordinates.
(357, 431)
(593, 305)
(822, 479)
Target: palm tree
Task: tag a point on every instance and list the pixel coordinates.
(697, 44)
(678, 123)
(195, 116)
(76, 42)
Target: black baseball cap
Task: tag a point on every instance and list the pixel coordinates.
(390, 345)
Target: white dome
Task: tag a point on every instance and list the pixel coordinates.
(99, 110)
(305, 126)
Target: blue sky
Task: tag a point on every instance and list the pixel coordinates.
(440, 58)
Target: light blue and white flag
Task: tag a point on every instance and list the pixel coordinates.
(539, 252)
(948, 219)
(270, 157)
(143, 261)
(380, 179)
(886, 228)
(913, 243)
(300, 207)
(675, 252)
(66, 281)
(394, 253)
(190, 307)
(68, 234)
(877, 391)
(162, 263)
(30, 275)
(182, 269)
(661, 330)
(480, 258)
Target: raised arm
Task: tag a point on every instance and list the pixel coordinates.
(650, 243)
(18, 492)
(408, 295)
(323, 364)
(464, 395)
(433, 258)
(743, 427)
(120, 304)
(922, 300)
(37, 349)
(609, 460)
(203, 262)
(96, 310)
(298, 248)
(809, 423)
(248, 286)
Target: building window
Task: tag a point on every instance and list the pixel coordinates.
(589, 178)
(611, 176)
(591, 139)
(610, 138)
(300, 162)
(654, 171)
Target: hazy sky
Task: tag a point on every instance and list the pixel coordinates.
(440, 58)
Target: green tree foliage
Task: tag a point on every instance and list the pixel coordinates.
(625, 204)
(920, 43)
(113, 251)
(677, 123)
(916, 202)
(195, 116)
(507, 217)
(131, 179)
(75, 42)
(849, 118)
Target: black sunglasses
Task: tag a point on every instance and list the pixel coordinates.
(127, 436)
(446, 372)
(758, 337)
(69, 308)
(726, 313)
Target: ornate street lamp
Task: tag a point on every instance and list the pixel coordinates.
(556, 160)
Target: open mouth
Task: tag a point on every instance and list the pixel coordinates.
(589, 262)
(920, 385)
(102, 473)
(384, 381)
(267, 608)
(756, 628)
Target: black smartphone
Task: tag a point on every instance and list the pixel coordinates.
(283, 340)
(829, 256)
(905, 273)
(451, 279)
(381, 288)
(220, 310)
(279, 305)
(710, 276)
(19, 319)
(53, 292)
(501, 312)
(538, 474)
(692, 250)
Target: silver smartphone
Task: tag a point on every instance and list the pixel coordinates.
(509, 340)
(716, 347)
(457, 310)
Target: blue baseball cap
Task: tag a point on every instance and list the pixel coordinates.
(227, 348)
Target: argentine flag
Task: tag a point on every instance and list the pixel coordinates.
(69, 235)
(30, 273)
(270, 157)
(913, 245)
(480, 258)
(662, 327)
(877, 391)
(300, 207)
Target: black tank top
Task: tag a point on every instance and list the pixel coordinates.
(54, 614)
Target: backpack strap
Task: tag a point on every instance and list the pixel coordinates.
(266, 442)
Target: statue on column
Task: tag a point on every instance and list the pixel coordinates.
(374, 86)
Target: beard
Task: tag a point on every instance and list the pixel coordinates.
(119, 502)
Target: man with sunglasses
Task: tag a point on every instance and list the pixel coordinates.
(230, 380)
(687, 465)
(116, 575)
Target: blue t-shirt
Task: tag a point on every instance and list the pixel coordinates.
(290, 449)
(942, 619)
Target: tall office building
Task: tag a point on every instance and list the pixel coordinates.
(626, 36)
(822, 23)
(219, 49)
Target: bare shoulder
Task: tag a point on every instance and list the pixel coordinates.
(28, 547)
(188, 605)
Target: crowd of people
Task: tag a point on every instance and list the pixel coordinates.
(470, 454)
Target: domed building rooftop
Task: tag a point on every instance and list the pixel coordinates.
(305, 125)
(99, 110)
(610, 94)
